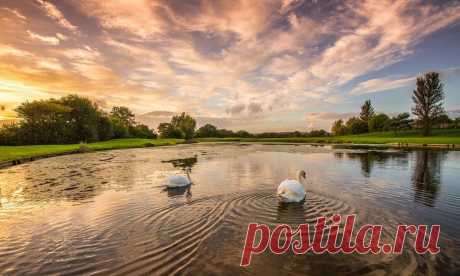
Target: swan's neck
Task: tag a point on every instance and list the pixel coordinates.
(188, 177)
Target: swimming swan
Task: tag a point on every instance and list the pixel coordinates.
(292, 190)
(176, 181)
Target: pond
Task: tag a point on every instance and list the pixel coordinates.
(109, 212)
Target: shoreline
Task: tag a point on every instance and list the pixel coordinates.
(83, 149)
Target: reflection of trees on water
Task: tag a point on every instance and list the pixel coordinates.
(369, 158)
(426, 178)
(185, 163)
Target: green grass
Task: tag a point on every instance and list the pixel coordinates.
(17, 152)
(439, 136)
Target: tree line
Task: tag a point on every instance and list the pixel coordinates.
(71, 119)
(428, 113)
(75, 119)
(183, 127)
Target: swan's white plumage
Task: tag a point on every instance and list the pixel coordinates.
(291, 190)
(175, 181)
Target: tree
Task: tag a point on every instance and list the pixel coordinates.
(243, 134)
(378, 122)
(355, 125)
(185, 124)
(2, 108)
(457, 122)
(367, 111)
(143, 131)
(84, 118)
(222, 133)
(318, 133)
(338, 128)
(443, 121)
(207, 130)
(400, 122)
(124, 115)
(167, 130)
(104, 128)
(44, 122)
(428, 98)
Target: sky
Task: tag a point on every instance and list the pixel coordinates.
(259, 65)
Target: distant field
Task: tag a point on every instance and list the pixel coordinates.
(440, 136)
(18, 152)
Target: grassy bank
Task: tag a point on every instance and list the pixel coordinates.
(18, 152)
(440, 136)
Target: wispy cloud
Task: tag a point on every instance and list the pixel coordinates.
(53, 12)
(51, 40)
(267, 63)
(379, 85)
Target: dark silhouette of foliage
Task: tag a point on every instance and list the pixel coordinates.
(355, 125)
(207, 130)
(70, 119)
(378, 122)
(185, 124)
(338, 128)
(367, 111)
(428, 98)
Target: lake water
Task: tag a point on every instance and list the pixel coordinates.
(108, 212)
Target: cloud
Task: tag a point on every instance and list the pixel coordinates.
(382, 84)
(50, 40)
(236, 109)
(6, 50)
(53, 12)
(254, 108)
(324, 120)
(16, 12)
(256, 64)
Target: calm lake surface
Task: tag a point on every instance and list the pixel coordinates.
(108, 212)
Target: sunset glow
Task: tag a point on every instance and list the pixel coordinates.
(259, 65)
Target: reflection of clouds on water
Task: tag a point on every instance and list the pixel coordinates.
(426, 178)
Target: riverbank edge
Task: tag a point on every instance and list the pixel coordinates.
(454, 147)
(83, 149)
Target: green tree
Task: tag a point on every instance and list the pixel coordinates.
(400, 122)
(207, 130)
(378, 122)
(185, 124)
(367, 111)
(428, 98)
(143, 131)
(443, 121)
(167, 130)
(44, 122)
(243, 134)
(104, 128)
(222, 133)
(124, 115)
(84, 118)
(355, 125)
(338, 128)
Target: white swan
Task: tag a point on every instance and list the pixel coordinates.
(292, 190)
(176, 181)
